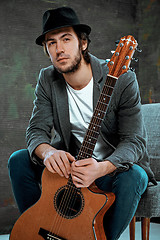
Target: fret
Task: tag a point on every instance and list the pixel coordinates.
(90, 143)
(83, 155)
(92, 131)
(103, 103)
(95, 117)
(87, 149)
(99, 114)
(108, 86)
(107, 91)
(90, 139)
(94, 126)
(105, 96)
(99, 111)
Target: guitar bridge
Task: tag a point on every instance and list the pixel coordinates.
(47, 235)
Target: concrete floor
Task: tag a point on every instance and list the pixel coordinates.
(154, 233)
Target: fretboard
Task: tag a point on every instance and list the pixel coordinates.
(92, 133)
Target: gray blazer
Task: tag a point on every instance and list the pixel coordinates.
(122, 128)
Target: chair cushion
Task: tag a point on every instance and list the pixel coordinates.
(149, 205)
(151, 115)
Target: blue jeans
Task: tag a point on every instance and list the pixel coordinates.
(128, 187)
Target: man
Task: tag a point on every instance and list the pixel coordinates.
(66, 94)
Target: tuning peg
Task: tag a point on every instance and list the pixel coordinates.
(132, 69)
(116, 42)
(135, 59)
(107, 60)
(139, 50)
(112, 52)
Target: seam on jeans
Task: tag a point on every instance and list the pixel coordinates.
(122, 230)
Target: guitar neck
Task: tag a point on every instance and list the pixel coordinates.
(92, 133)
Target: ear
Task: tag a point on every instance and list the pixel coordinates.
(84, 44)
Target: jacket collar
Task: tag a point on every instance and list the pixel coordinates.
(96, 69)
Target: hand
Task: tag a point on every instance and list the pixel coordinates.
(85, 172)
(58, 161)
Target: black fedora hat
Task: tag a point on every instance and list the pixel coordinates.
(58, 18)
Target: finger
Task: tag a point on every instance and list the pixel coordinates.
(77, 174)
(56, 168)
(64, 164)
(77, 182)
(52, 165)
(60, 165)
(49, 167)
(78, 185)
(70, 157)
(83, 162)
(78, 170)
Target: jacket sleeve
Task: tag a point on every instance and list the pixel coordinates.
(131, 133)
(41, 121)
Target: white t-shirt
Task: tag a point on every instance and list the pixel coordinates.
(80, 112)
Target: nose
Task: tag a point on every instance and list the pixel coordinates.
(59, 48)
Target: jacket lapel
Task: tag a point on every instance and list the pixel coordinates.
(99, 77)
(62, 108)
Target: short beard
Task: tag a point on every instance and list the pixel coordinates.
(75, 65)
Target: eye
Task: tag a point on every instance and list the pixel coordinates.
(66, 39)
(51, 43)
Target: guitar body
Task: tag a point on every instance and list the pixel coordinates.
(45, 221)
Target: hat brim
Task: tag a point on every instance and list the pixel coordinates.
(80, 27)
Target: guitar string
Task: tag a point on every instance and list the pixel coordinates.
(65, 195)
(64, 208)
(59, 217)
(74, 198)
(71, 197)
(72, 204)
(62, 205)
(72, 201)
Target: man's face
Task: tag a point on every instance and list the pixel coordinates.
(64, 50)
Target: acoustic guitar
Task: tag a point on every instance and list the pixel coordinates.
(65, 212)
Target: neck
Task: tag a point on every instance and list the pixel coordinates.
(81, 77)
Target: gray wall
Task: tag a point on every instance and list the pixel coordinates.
(21, 60)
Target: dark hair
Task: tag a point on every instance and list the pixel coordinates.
(81, 36)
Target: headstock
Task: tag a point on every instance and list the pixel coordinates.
(120, 61)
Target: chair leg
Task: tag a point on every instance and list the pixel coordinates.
(132, 228)
(145, 227)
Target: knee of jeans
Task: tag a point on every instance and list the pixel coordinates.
(135, 179)
(141, 177)
(15, 162)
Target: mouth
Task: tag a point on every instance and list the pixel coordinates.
(62, 59)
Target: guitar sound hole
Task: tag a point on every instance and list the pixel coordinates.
(68, 203)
